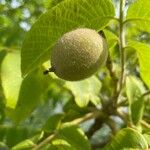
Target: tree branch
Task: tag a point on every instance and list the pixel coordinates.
(47, 140)
(146, 94)
(145, 124)
(77, 121)
(97, 125)
(121, 49)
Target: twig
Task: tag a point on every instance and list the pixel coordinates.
(8, 49)
(49, 70)
(47, 140)
(147, 125)
(88, 116)
(112, 126)
(122, 43)
(121, 48)
(77, 121)
(122, 103)
(135, 19)
(146, 93)
(109, 66)
(122, 115)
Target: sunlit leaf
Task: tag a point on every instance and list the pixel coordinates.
(147, 137)
(22, 95)
(11, 78)
(138, 13)
(29, 96)
(66, 16)
(143, 51)
(85, 91)
(61, 145)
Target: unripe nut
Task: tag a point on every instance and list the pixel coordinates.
(78, 54)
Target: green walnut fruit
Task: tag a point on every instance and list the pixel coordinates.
(78, 54)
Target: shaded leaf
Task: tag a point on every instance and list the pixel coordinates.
(112, 39)
(36, 138)
(139, 13)
(27, 144)
(134, 90)
(74, 136)
(137, 110)
(85, 91)
(2, 55)
(127, 139)
(53, 122)
(73, 111)
(66, 16)
(134, 87)
(15, 135)
(3, 131)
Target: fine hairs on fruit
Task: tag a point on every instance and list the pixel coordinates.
(78, 54)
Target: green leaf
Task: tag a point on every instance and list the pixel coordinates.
(2, 55)
(73, 111)
(127, 139)
(11, 78)
(66, 16)
(3, 131)
(36, 138)
(51, 3)
(74, 136)
(85, 91)
(70, 137)
(27, 144)
(4, 21)
(147, 136)
(143, 51)
(60, 144)
(15, 135)
(134, 90)
(112, 39)
(139, 13)
(53, 122)
(22, 95)
(29, 96)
